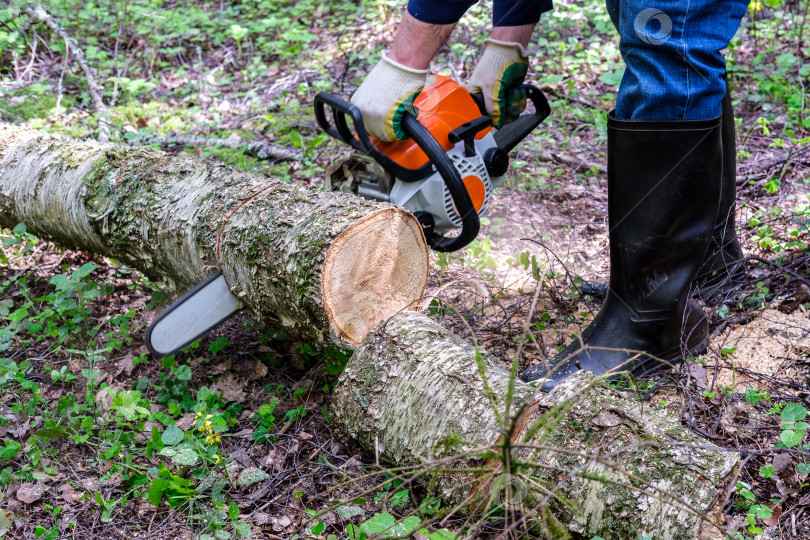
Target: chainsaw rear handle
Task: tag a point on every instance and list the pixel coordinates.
(508, 137)
(359, 139)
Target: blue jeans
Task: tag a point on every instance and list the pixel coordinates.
(672, 52)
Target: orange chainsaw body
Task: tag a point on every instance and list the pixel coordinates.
(443, 106)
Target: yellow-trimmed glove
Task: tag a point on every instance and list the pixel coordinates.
(498, 75)
(386, 94)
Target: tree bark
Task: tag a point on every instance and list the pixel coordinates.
(312, 263)
(584, 459)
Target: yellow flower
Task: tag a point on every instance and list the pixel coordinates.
(212, 438)
(217, 459)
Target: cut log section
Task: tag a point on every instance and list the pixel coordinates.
(313, 263)
(585, 458)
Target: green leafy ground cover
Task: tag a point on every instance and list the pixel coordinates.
(233, 437)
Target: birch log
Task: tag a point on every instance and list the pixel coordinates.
(313, 263)
(587, 460)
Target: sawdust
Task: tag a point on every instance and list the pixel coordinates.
(772, 346)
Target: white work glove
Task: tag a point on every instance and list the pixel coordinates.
(386, 94)
(498, 75)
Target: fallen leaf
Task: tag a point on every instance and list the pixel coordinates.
(774, 519)
(30, 493)
(259, 368)
(104, 399)
(241, 456)
(21, 430)
(281, 523)
(186, 421)
(69, 494)
(606, 420)
(219, 369)
(125, 365)
(251, 476)
(698, 373)
(273, 460)
(231, 387)
(113, 481)
(259, 518)
(89, 484)
(782, 461)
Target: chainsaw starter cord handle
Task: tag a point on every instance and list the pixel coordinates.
(452, 179)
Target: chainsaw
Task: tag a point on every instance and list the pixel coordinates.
(444, 174)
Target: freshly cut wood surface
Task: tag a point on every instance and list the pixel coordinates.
(373, 269)
(317, 264)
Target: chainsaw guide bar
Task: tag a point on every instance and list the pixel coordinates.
(191, 316)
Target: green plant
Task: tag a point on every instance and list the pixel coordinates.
(296, 414)
(19, 237)
(793, 428)
(478, 255)
(265, 422)
(755, 396)
(63, 375)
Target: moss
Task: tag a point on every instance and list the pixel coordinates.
(35, 106)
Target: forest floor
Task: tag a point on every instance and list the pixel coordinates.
(101, 440)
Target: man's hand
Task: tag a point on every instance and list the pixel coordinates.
(386, 95)
(498, 75)
(389, 90)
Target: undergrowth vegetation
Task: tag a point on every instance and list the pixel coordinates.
(234, 436)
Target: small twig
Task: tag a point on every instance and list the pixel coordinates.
(27, 72)
(258, 149)
(38, 13)
(779, 267)
(59, 88)
(571, 162)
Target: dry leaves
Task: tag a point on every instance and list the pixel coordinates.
(30, 493)
(231, 387)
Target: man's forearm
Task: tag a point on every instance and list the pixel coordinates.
(416, 42)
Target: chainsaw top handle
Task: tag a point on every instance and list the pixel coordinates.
(508, 137)
(437, 160)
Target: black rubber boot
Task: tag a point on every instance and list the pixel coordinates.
(723, 266)
(663, 195)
